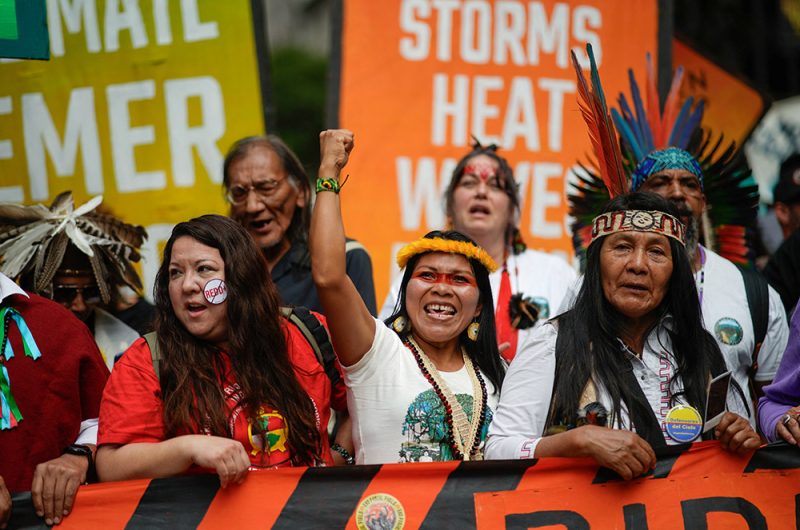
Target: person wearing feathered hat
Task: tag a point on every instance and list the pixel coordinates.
(51, 378)
(665, 151)
(629, 364)
(78, 257)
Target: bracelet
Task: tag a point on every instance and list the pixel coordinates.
(330, 184)
(348, 458)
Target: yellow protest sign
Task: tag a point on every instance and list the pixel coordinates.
(138, 103)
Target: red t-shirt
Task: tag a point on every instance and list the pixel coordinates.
(54, 393)
(131, 410)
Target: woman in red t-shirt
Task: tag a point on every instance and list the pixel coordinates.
(237, 387)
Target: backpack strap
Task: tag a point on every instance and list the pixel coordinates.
(317, 337)
(152, 343)
(755, 286)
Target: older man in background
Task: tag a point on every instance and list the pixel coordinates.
(270, 195)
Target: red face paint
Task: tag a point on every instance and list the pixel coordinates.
(455, 279)
(481, 169)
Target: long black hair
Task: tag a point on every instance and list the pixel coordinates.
(588, 345)
(258, 353)
(483, 352)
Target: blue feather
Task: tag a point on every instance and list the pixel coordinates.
(627, 115)
(694, 120)
(646, 135)
(596, 85)
(627, 134)
(678, 136)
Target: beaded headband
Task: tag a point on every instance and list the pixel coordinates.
(437, 244)
(638, 221)
(670, 158)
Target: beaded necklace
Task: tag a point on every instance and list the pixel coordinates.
(463, 435)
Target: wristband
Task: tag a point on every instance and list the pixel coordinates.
(330, 184)
(348, 458)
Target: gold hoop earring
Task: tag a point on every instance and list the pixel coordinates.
(472, 331)
(401, 324)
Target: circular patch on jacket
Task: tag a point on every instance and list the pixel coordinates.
(380, 511)
(683, 423)
(543, 305)
(728, 331)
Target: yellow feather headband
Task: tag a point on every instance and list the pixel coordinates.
(437, 244)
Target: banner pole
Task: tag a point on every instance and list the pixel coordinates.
(334, 66)
(259, 16)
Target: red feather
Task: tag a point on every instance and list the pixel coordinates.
(671, 107)
(602, 132)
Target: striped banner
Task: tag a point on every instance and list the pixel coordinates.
(692, 487)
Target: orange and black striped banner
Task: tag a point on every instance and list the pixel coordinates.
(692, 487)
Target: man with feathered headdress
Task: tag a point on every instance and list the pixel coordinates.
(77, 257)
(665, 151)
(51, 372)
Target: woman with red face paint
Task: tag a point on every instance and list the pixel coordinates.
(424, 389)
(482, 201)
(235, 387)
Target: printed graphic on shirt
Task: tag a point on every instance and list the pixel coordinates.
(275, 452)
(728, 331)
(427, 431)
(274, 428)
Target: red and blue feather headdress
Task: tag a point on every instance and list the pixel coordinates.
(652, 138)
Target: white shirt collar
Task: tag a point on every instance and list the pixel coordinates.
(8, 287)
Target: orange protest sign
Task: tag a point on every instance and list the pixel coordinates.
(718, 501)
(418, 78)
(690, 485)
(732, 107)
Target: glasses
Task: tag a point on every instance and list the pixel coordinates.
(265, 189)
(66, 294)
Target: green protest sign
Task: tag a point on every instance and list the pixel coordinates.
(23, 29)
(8, 20)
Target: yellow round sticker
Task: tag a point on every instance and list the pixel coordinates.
(683, 423)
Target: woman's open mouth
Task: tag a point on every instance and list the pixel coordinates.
(195, 309)
(440, 311)
(479, 209)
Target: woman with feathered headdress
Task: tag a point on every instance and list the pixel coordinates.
(630, 363)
